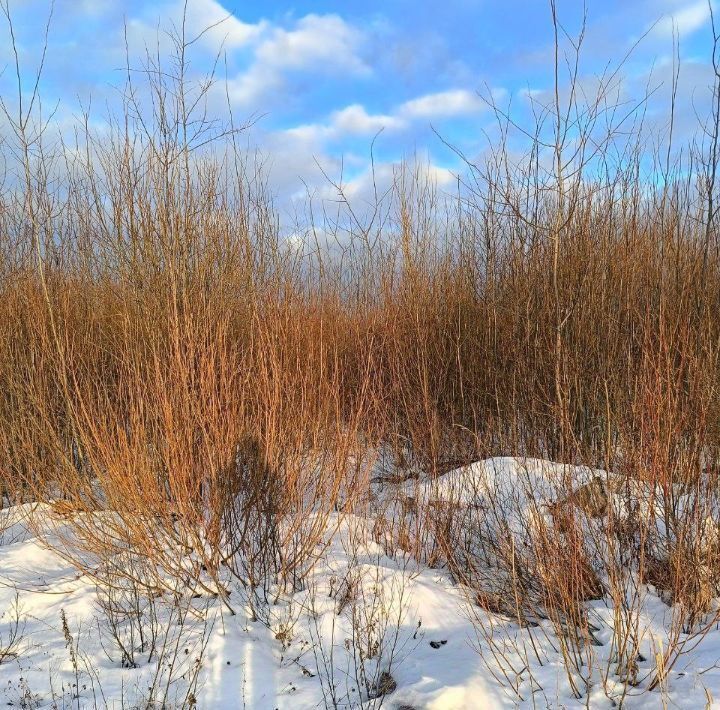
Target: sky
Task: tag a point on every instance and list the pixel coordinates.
(322, 82)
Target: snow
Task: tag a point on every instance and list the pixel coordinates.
(418, 622)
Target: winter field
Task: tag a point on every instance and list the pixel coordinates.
(404, 437)
(370, 625)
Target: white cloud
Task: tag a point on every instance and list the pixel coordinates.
(315, 41)
(291, 162)
(531, 94)
(443, 104)
(217, 27)
(323, 43)
(378, 179)
(247, 88)
(353, 120)
(442, 177)
(686, 19)
(226, 28)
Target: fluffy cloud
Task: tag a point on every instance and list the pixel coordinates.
(353, 120)
(323, 43)
(223, 28)
(687, 19)
(443, 104)
(316, 40)
(206, 21)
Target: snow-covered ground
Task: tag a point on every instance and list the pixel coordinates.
(368, 629)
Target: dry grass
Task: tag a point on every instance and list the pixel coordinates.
(168, 360)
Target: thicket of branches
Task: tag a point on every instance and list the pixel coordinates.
(167, 358)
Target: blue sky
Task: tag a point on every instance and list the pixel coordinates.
(322, 78)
